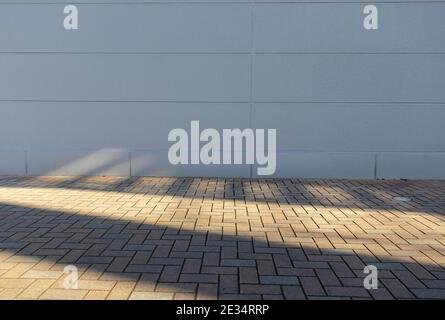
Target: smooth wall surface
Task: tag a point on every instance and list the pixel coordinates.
(346, 102)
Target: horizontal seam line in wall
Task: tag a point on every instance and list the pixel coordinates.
(140, 150)
(223, 102)
(220, 53)
(348, 102)
(126, 150)
(355, 151)
(222, 2)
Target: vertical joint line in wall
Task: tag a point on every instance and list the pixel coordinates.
(26, 162)
(252, 46)
(252, 60)
(375, 166)
(252, 52)
(129, 164)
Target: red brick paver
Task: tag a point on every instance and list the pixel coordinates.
(178, 238)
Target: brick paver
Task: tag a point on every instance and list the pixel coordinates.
(184, 238)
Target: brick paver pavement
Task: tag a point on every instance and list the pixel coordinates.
(174, 238)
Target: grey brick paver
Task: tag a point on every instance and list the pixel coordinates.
(312, 286)
(170, 274)
(228, 284)
(248, 275)
(282, 280)
(260, 289)
(205, 278)
(192, 266)
(429, 293)
(328, 277)
(293, 293)
(354, 292)
(397, 289)
(238, 263)
(266, 267)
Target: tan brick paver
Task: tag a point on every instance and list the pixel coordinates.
(184, 238)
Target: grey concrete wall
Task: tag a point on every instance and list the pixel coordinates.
(346, 102)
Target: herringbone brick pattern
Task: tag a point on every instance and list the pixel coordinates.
(174, 238)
